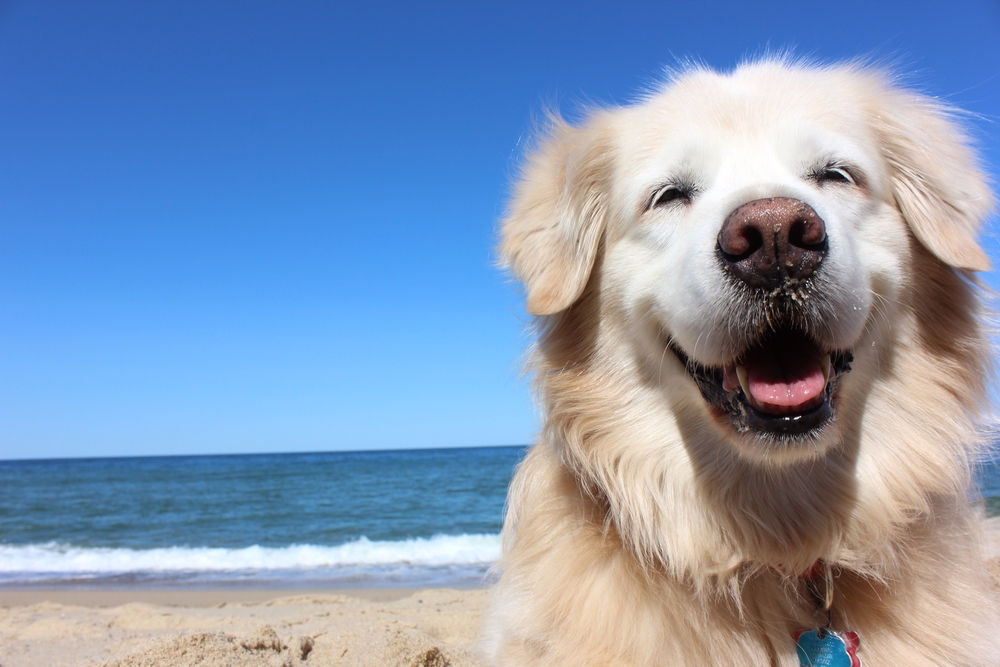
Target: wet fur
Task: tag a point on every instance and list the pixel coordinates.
(641, 529)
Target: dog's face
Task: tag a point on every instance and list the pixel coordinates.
(755, 229)
(749, 229)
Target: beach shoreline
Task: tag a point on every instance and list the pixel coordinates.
(177, 627)
(185, 597)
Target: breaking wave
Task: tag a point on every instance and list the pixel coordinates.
(442, 559)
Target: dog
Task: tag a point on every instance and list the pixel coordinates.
(763, 362)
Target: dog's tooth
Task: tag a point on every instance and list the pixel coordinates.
(741, 373)
(825, 363)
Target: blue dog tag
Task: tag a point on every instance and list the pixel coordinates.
(825, 648)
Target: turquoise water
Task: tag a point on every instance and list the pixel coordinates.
(389, 518)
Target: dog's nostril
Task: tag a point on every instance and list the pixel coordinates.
(740, 242)
(807, 233)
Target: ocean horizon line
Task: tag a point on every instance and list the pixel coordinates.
(17, 459)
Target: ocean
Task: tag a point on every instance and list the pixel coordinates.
(325, 520)
(404, 518)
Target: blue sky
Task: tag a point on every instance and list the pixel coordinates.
(261, 226)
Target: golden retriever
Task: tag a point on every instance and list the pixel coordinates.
(763, 367)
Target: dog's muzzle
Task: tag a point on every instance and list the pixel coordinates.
(784, 381)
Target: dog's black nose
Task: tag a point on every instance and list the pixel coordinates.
(766, 242)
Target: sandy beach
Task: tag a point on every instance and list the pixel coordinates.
(171, 628)
(214, 628)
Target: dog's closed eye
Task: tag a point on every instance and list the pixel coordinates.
(837, 173)
(671, 193)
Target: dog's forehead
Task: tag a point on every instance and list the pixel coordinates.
(704, 117)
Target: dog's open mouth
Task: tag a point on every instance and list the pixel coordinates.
(784, 385)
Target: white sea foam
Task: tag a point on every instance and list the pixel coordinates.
(440, 551)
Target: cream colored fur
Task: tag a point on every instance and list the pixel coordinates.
(642, 529)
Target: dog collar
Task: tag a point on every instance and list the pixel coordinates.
(822, 646)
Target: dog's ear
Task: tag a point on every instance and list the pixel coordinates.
(557, 216)
(939, 189)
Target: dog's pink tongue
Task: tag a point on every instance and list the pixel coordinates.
(788, 380)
